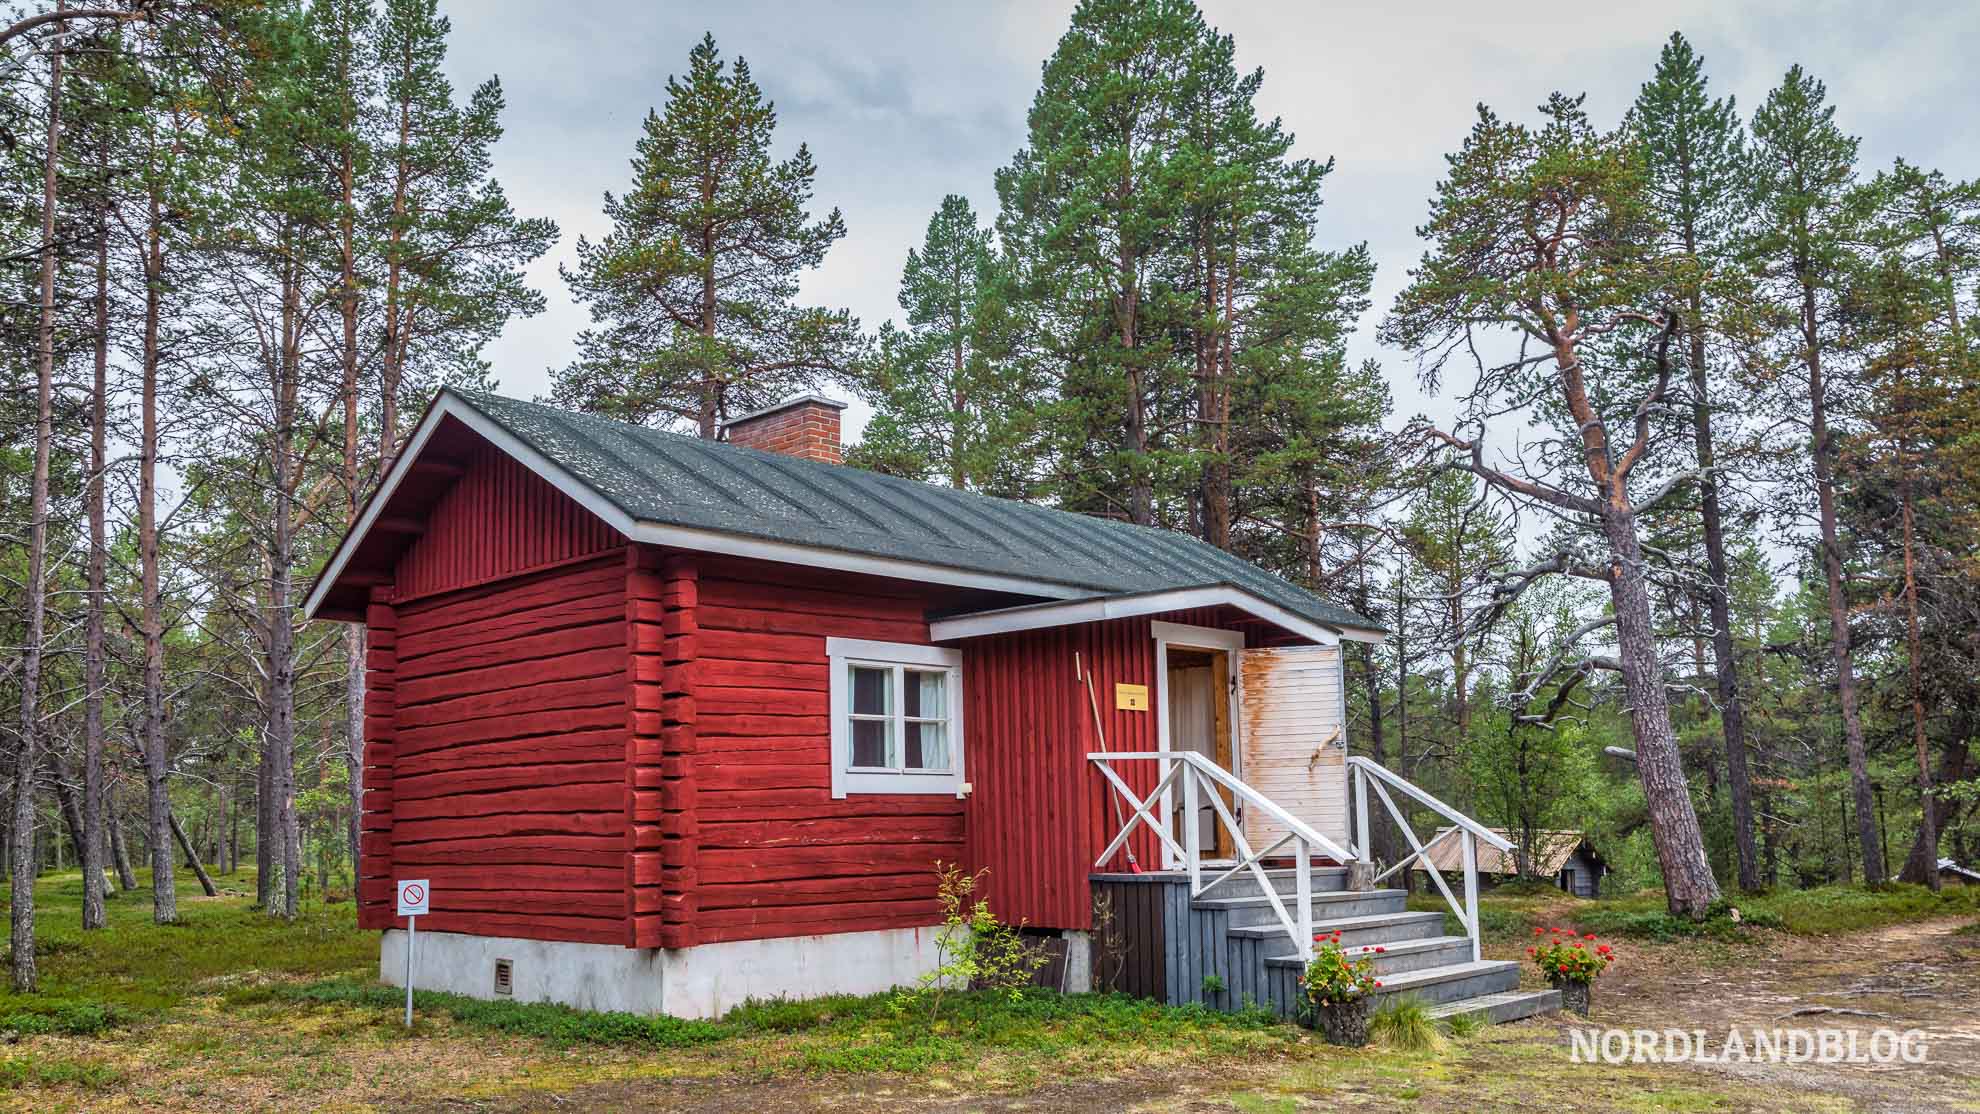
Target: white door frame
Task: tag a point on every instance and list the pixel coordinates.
(1230, 643)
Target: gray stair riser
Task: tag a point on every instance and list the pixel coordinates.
(1324, 909)
(1325, 880)
(1457, 950)
(1501, 1008)
(1412, 927)
(1451, 990)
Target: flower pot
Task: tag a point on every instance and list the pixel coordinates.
(1344, 1023)
(1574, 995)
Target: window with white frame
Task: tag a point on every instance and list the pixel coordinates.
(896, 717)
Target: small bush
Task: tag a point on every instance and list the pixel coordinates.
(1404, 1025)
(1463, 1026)
(70, 1019)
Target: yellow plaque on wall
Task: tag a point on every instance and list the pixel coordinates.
(1131, 698)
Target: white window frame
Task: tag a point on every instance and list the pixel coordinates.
(846, 780)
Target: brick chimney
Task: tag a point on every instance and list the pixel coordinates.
(806, 426)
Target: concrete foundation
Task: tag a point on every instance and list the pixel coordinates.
(701, 982)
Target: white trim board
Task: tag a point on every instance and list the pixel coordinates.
(839, 653)
(652, 533)
(1230, 643)
(1098, 608)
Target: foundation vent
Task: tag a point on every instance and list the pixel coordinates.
(504, 982)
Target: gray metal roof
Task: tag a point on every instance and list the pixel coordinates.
(677, 480)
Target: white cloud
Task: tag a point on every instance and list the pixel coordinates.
(902, 103)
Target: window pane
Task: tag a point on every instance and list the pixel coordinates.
(926, 695)
(872, 692)
(869, 742)
(927, 746)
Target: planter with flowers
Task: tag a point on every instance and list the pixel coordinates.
(1571, 965)
(1334, 991)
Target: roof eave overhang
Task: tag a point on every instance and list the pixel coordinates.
(448, 404)
(1093, 609)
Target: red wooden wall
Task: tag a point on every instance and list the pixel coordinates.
(776, 855)
(508, 756)
(497, 520)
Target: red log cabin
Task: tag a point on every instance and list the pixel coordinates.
(670, 723)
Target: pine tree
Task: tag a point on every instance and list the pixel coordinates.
(943, 406)
(1802, 170)
(1905, 322)
(451, 249)
(1088, 215)
(693, 293)
(1546, 232)
(1694, 152)
(1458, 539)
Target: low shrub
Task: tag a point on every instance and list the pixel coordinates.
(67, 1018)
(1462, 1026)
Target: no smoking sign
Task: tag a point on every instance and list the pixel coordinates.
(413, 897)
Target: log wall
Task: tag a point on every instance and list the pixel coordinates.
(775, 854)
(508, 755)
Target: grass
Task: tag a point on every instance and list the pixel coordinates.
(1824, 911)
(1404, 1024)
(231, 1011)
(134, 968)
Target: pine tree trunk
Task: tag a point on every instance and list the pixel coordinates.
(120, 856)
(1839, 641)
(1732, 713)
(93, 915)
(1688, 881)
(1953, 759)
(65, 802)
(158, 804)
(22, 862)
(1928, 831)
(353, 632)
(281, 665)
(192, 857)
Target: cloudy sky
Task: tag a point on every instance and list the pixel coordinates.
(902, 103)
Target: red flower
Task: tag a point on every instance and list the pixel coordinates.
(1531, 951)
(1590, 936)
(1378, 983)
(1538, 931)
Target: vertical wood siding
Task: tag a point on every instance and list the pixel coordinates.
(1294, 749)
(777, 856)
(1040, 812)
(497, 520)
(508, 770)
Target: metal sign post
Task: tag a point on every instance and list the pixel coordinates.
(414, 901)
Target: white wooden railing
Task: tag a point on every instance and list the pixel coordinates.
(1363, 774)
(1199, 780)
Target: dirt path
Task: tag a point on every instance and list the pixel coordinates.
(1922, 976)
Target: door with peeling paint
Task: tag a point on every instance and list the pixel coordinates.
(1294, 742)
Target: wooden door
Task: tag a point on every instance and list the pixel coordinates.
(1199, 720)
(1294, 743)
